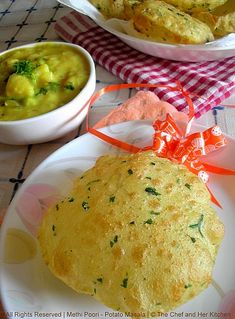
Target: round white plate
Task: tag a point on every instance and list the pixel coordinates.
(216, 50)
(28, 287)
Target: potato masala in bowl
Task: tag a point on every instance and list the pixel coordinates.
(43, 87)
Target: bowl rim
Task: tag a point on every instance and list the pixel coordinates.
(41, 116)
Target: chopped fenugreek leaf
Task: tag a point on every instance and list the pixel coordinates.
(149, 221)
(193, 239)
(130, 172)
(148, 177)
(94, 181)
(57, 206)
(152, 191)
(132, 223)
(188, 186)
(115, 240)
(187, 286)
(198, 225)
(85, 205)
(152, 163)
(71, 199)
(154, 213)
(54, 230)
(94, 290)
(124, 283)
(178, 180)
(112, 199)
(100, 280)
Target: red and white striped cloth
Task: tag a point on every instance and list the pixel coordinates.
(213, 81)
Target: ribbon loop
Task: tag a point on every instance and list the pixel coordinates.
(169, 141)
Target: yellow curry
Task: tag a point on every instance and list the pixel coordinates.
(39, 79)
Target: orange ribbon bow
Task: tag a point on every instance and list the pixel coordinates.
(170, 142)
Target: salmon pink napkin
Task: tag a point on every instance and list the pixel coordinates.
(213, 81)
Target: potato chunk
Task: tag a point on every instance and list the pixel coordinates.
(18, 86)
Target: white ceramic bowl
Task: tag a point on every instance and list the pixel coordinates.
(56, 123)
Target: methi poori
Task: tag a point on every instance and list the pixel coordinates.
(136, 232)
(172, 21)
(163, 22)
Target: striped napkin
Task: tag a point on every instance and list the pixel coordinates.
(212, 81)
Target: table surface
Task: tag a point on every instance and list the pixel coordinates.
(24, 21)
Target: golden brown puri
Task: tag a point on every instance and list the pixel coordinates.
(129, 7)
(179, 27)
(110, 8)
(221, 20)
(137, 232)
(196, 5)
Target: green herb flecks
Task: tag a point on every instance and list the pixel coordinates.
(187, 286)
(198, 225)
(69, 86)
(188, 185)
(132, 223)
(111, 199)
(114, 241)
(148, 177)
(71, 199)
(42, 91)
(100, 280)
(149, 221)
(85, 205)
(24, 67)
(124, 283)
(53, 227)
(94, 181)
(152, 163)
(193, 239)
(154, 213)
(130, 172)
(57, 207)
(152, 191)
(51, 86)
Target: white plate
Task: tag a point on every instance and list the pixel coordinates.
(215, 50)
(26, 283)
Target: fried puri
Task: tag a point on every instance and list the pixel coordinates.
(136, 232)
(221, 20)
(110, 8)
(196, 5)
(165, 23)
